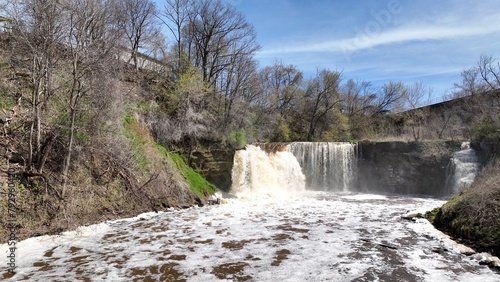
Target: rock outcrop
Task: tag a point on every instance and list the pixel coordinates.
(417, 168)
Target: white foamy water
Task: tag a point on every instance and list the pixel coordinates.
(256, 172)
(462, 169)
(318, 236)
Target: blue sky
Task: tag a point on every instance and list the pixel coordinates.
(378, 41)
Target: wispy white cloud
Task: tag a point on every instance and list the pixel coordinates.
(427, 40)
(445, 30)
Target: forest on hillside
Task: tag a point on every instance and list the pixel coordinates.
(95, 98)
(210, 86)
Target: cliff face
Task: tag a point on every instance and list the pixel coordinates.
(215, 165)
(384, 167)
(404, 168)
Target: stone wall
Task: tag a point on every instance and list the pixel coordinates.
(404, 167)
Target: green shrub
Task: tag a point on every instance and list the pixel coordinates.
(6, 101)
(238, 139)
(486, 128)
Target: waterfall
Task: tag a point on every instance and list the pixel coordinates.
(274, 173)
(279, 168)
(327, 166)
(462, 169)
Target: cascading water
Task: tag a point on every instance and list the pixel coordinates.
(462, 169)
(328, 166)
(292, 167)
(275, 173)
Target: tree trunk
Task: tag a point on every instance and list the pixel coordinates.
(34, 135)
(67, 160)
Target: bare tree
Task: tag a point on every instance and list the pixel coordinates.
(489, 72)
(389, 98)
(235, 81)
(470, 84)
(38, 27)
(139, 24)
(477, 80)
(415, 97)
(176, 16)
(91, 35)
(447, 124)
(357, 97)
(282, 85)
(481, 84)
(215, 32)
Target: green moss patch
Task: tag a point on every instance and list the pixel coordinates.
(199, 185)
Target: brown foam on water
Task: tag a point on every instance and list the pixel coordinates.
(287, 227)
(166, 272)
(177, 257)
(235, 245)
(207, 241)
(282, 237)
(43, 266)
(49, 253)
(281, 255)
(232, 271)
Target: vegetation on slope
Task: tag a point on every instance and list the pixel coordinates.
(472, 216)
(121, 175)
(199, 185)
(117, 168)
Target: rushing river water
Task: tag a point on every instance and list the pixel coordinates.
(315, 236)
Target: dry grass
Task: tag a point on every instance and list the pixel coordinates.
(484, 196)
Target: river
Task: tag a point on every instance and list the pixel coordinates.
(309, 236)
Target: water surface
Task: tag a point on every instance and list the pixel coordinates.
(316, 236)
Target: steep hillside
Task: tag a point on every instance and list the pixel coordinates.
(128, 174)
(472, 216)
(117, 169)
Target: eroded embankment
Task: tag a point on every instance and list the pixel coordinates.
(472, 216)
